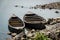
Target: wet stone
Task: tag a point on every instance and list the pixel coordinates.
(16, 5)
(56, 11)
(13, 34)
(9, 33)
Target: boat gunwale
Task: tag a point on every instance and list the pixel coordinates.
(34, 22)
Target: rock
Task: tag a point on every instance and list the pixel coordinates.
(22, 6)
(16, 5)
(54, 5)
(29, 35)
(20, 36)
(54, 36)
(9, 33)
(35, 7)
(9, 39)
(32, 30)
(13, 34)
(56, 11)
(52, 23)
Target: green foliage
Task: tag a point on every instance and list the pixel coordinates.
(41, 36)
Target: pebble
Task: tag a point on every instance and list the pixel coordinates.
(9, 33)
(13, 34)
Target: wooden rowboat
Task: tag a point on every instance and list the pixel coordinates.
(15, 24)
(33, 21)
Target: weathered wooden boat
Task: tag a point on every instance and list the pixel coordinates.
(33, 21)
(15, 24)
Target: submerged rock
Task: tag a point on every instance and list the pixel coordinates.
(16, 5)
(56, 11)
(22, 6)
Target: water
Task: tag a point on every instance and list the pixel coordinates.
(7, 8)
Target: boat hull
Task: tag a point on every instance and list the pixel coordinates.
(36, 26)
(13, 30)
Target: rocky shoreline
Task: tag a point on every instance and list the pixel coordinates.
(34, 28)
(52, 31)
(55, 5)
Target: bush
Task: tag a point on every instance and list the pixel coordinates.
(41, 36)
